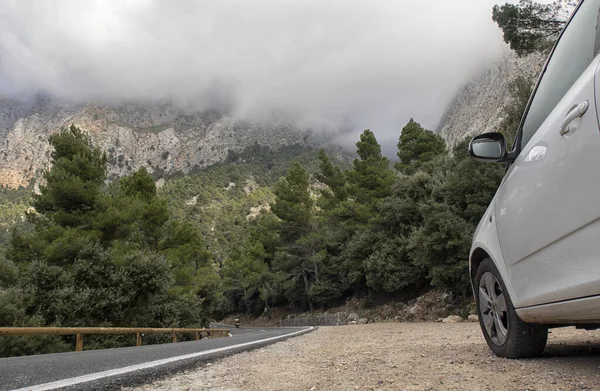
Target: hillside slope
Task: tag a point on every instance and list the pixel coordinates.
(222, 199)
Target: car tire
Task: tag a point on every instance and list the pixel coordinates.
(505, 333)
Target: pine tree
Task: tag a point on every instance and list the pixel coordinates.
(441, 246)
(417, 146)
(139, 184)
(296, 255)
(293, 204)
(370, 181)
(246, 276)
(67, 205)
(332, 176)
(371, 178)
(75, 180)
(530, 26)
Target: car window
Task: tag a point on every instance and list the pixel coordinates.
(572, 55)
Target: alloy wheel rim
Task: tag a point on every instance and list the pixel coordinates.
(492, 308)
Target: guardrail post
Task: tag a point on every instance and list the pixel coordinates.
(79, 332)
(79, 343)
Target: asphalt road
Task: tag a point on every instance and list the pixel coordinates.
(114, 368)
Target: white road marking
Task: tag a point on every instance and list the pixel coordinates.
(119, 371)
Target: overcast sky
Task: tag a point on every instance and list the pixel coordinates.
(325, 64)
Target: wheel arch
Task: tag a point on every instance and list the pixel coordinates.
(477, 256)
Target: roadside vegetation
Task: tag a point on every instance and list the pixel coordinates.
(96, 255)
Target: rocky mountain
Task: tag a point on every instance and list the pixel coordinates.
(160, 137)
(168, 140)
(479, 105)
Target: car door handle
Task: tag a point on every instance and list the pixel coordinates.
(573, 114)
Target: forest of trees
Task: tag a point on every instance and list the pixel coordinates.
(370, 229)
(97, 255)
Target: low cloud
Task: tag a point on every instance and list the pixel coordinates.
(331, 65)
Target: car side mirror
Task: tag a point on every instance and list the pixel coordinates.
(488, 147)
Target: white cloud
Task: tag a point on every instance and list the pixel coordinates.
(327, 64)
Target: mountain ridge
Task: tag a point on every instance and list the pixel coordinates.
(161, 137)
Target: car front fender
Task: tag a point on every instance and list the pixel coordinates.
(486, 244)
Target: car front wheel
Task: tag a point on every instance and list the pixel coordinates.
(505, 333)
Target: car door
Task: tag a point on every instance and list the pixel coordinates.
(547, 209)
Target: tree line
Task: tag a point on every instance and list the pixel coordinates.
(372, 229)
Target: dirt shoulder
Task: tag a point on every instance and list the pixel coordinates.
(398, 356)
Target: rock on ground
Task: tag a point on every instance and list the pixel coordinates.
(398, 356)
(452, 319)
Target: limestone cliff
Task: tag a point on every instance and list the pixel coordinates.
(479, 105)
(160, 137)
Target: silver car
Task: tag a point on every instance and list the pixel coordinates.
(535, 257)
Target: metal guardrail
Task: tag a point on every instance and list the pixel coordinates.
(79, 332)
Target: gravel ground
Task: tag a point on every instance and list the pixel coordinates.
(398, 356)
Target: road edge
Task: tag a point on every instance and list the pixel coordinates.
(145, 373)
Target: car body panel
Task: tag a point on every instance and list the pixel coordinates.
(486, 239)
(546, 209)
(585, 310)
